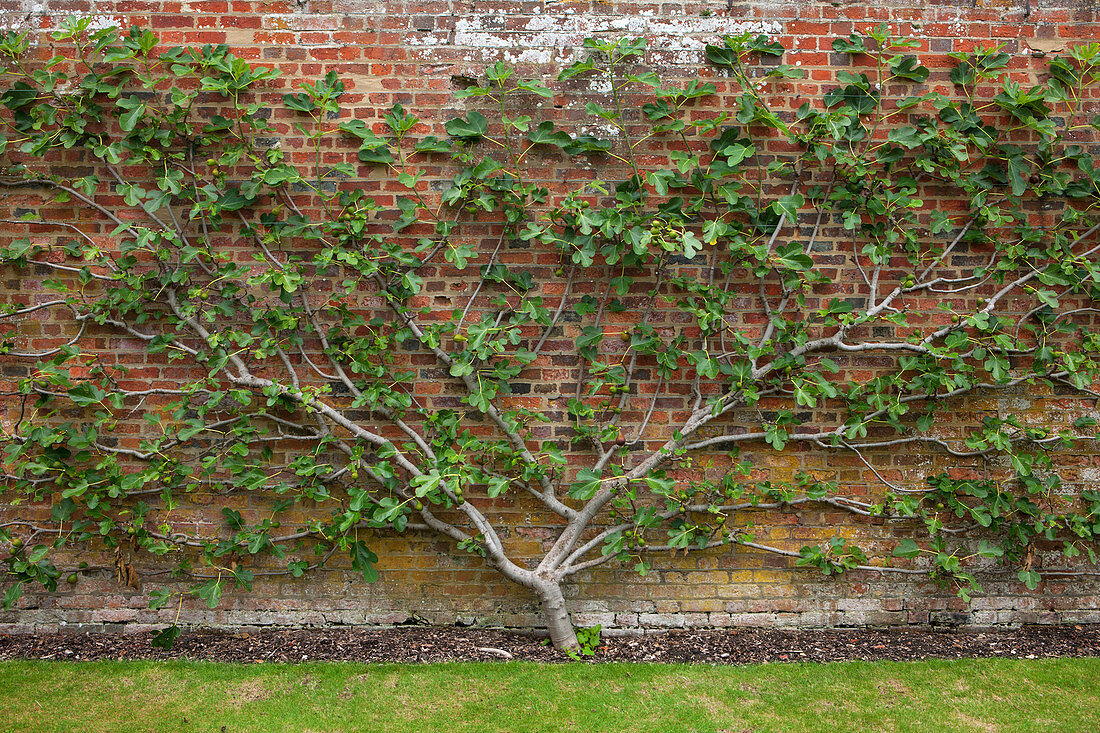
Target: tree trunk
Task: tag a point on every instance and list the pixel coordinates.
(557, 617)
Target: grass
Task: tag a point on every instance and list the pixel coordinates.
(968, 695)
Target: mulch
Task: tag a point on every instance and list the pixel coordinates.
(446, 644)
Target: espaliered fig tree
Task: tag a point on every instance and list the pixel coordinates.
(217, 288)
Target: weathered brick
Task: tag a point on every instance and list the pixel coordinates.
(395, 51)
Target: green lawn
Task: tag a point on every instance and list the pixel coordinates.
(970, 695)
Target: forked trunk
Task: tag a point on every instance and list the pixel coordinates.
(557, 617)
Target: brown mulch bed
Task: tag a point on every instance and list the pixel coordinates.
(444, 644)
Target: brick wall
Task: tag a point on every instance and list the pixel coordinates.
(413, 53)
